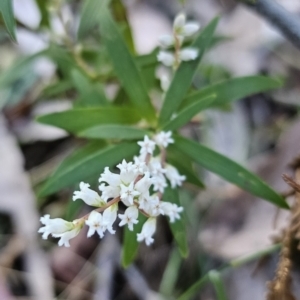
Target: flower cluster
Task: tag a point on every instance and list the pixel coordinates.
(139, 185)
(181, 30)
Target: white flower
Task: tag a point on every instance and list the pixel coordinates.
(179, 22)
(143, 185)
(166, 40)
(190, 28)
(95, 222)
(154, 207)
(109, 217)
(164, 82)
(109, 191)
(129, 217)
(110, 178)
(144, 202)
(166, 58)
(156, 168)
(147, 231)
(163, 139)
(54, 226)
(187, 54)
(175, 178)
(147, 146)
(159, 184)
(171, 210)
(139, 166)
(127, 173)
(89, 196)
(128, 193)
(66, 236)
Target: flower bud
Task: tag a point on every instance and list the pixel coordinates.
(179, 22)
(190, 28)
(166, 58)
(188, 54)
(166, 40)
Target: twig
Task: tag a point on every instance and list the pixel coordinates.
(286, 22)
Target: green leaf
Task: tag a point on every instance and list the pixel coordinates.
(189, 112)
(216, 280)
(120, 132)
(119, 14)
(130, 243)
(57, 88)
(91, 93)
(78, 119)
(178, 227)
(6, 9)
(90, 16)
(125, 66)
(184, 165)
(184, 75)
(42, 5)
(229, 170)
(233, 89)
(85, 162)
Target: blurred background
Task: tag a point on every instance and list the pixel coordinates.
(261, 132)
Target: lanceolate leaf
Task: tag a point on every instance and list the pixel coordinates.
(121, 132)
(7, 12)
(90, 16)
(233, 89)
(189, 112)
(76, 120)
(216, 280)
(125, 65)
(184, 75)
(178, 227)
(130, 243)
(229, 170)
(85, 162)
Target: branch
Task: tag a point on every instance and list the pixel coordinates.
(287, 23)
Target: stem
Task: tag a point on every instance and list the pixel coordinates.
(232, 264)
(287, 23)
(177, 50)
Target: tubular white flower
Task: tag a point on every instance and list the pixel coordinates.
(147, 231)
(109, 191)
(143, 185)
(139, 166)
(187, 54)
(171, 210)
(89, 196)
(155, 167)
(96, 224)
(154, 207)
(166, 40)
(175, 178)
(147, 146)
(179, 22)
(163, 139)
(127, 173)
(159, 183)
(166, 58)
(110, 178)
(66, 236)
(128, 193)
(109, 217)
(190, 28)
(129, 217)
(144, 201)
(54, 226)
(164, 82)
